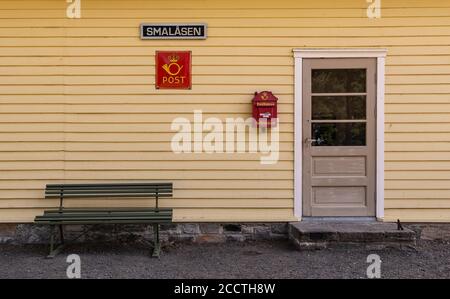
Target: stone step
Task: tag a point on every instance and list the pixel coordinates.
(323, 234)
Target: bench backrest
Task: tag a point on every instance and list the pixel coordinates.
(153, 190)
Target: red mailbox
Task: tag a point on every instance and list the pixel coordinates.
(265, 110)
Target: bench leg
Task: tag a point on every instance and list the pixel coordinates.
(54, 251)
(61, 234)
(157, 248)
(52, 237)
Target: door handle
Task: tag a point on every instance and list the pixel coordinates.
(318, 140)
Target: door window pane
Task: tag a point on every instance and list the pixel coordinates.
(339, 134)
(338, 80)
(339, 108)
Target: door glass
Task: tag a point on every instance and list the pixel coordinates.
(339, 134)
(338, 119)
(338, 80)
(340, 107)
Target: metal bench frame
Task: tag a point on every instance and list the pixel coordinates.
(94, 216)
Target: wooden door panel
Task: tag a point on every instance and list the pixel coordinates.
(338, 166)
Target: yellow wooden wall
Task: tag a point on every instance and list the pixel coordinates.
(77, 100)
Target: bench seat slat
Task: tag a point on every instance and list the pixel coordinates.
(72, 222)
(111, 188)
(105, 213)
(91, 215)
(125, 195)
(104, 218)
(105, 210)
(87, 195)
(137, 220)
(68, 215)
(164, 190)
(109, 192)
(83, 186)
(100, 215)
(150, 191)
(116, 192)
(128, 194)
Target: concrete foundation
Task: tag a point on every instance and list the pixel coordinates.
(180, 232)
(305, 235)
(319, 235)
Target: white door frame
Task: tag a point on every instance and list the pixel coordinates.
(299, 55)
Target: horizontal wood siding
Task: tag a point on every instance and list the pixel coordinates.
(78, 104)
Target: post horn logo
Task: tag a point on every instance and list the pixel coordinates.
(173, 68)
(264, 96)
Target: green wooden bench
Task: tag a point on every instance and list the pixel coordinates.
(94, 216)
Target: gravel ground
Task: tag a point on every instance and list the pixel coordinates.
(231, 260)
